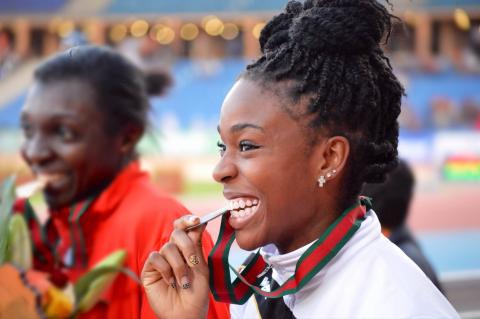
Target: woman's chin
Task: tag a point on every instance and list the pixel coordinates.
(246, 242)
(57, 201)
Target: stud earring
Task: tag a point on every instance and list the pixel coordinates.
(321, 181)
(330, 174)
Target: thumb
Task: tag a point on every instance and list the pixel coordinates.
(186, 223)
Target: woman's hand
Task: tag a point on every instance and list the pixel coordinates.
(176, 277)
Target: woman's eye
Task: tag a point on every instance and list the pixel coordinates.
(221, 148)
(27, 130)
(247, 146)
(65, 133)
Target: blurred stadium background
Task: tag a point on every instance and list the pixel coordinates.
(204, 44)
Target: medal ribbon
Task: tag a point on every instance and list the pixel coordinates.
(309, 264)
(45, 239)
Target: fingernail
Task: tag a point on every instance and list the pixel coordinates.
(185, 282)
(194, 260)
(191, 219)
(172, 283)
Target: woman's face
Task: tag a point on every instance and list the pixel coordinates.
(267, 170)
(66, 141)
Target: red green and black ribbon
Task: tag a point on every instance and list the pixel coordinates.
(309, 264)
(47, 248)
(76, 234)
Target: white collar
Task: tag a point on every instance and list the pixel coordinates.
(284, 265)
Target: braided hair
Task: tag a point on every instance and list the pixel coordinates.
(329, 51)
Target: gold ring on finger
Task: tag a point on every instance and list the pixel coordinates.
(194, 260)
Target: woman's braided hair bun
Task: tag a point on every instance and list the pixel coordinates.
(331, 51)
(333, 26)
(355, 29)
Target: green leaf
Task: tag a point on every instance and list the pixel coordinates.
(7, 198)
(83, 284)
(110, 264)
(7, 193)
(103, 279)
(90, 287)
(19, 250)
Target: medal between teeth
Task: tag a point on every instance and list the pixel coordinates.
(229, 208)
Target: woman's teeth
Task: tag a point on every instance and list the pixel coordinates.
(240, 208)
(48, 178)
(28, 189)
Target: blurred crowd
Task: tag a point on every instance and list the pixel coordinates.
(444, 113)
(460, 58)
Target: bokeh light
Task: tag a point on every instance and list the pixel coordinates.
(189, 32)
(214, 26)
(461, 19)
(162, 34)
(118, 32)
(230, 31)
(257, 29)
(139, 28)
(206, 19)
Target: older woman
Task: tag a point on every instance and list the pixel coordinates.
(302, 129)
(83, 116)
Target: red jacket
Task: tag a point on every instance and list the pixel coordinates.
(129, 214)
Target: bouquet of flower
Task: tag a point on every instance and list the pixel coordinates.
(27, 293)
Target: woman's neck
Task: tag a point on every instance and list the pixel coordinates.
(310, 233)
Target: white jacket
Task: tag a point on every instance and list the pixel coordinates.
(369, 278)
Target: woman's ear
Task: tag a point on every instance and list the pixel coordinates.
(331, 158)
(130, 137)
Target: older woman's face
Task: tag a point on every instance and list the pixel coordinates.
(66, 141)
(266, 169)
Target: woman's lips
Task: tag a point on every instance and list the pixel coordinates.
(242, 210)
(54, 182)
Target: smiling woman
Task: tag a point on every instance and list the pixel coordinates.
(82, 119)
(60, 122)
(261, 151)
(302, 129)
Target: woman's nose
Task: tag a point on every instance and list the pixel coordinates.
(225, 170)
(36, 150)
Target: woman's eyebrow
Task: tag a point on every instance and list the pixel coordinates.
(65, 116)
(241, 126)
(58, 116)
